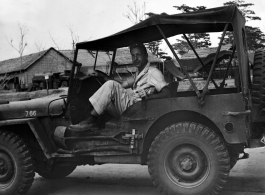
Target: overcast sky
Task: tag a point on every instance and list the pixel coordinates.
(89, 19)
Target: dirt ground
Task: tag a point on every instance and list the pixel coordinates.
(246, 178)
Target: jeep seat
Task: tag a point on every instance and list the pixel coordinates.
(173, 87)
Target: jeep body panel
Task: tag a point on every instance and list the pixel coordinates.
(214, 110)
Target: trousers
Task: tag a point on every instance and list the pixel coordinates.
(113, 98)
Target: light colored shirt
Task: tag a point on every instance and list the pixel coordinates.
(150, 79)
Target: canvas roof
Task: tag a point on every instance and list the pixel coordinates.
(209, 20)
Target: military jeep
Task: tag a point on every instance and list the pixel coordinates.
(189, 141)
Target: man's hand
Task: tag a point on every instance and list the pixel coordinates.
(93, 73)
(97, 73)
(141, 93)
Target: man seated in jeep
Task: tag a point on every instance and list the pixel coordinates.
(113, 96)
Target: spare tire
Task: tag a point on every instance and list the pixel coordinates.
(258, 85)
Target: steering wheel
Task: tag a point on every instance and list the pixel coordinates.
(79, 107)
(101, 77)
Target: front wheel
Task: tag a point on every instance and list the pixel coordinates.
(16, 165)
(188, 158)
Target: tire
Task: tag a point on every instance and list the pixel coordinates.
(16, 165)
(258, 84)
(57, 171)
(188, 158)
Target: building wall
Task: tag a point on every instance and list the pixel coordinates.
(51, 62)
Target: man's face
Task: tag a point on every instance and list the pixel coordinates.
(139, 57)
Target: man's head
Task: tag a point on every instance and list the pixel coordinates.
(139, 55)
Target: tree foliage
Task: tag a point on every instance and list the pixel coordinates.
(185, 9)
(154, 46)
(244, 8)
(255, 37)
(155, 49)
(198, 40)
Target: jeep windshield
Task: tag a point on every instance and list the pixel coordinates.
(91, 60)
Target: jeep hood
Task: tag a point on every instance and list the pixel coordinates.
(39, 107)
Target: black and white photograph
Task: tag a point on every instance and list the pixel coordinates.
(132, 97)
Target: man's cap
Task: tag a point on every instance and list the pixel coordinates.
(137, 44)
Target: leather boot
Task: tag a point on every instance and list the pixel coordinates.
(89, 124)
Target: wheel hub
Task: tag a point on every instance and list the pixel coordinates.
(3, 167)
(187, 164)
(6, 167)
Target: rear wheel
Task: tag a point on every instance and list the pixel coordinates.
(57, 171)
(188, 158)
(16, 165)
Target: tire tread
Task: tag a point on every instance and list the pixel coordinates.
(196, 129)
(25, 160)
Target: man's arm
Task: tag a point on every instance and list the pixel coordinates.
(164, 93)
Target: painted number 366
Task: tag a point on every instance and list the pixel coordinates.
(31, 113)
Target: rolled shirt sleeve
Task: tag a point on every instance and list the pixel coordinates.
(156, 79)
(151, 80)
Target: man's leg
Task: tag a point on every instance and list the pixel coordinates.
(109, 93)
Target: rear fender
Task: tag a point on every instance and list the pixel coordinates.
(170, 118)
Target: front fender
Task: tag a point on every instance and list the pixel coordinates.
(39, 132)
(34, 108)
